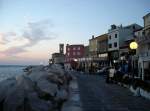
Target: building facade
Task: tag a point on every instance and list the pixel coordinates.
(58, 58)
(73, 53)
(98, 46)
(117, 37)
(98, 56)
(143, 51)
(86, 51)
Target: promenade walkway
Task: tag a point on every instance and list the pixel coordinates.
(96, 95)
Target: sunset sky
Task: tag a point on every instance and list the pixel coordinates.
(31, 30)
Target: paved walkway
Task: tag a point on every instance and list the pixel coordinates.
(96, 95)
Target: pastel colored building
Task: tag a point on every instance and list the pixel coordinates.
(117, 37)
(143, 51)
(98, 46)
(58, 58)
(73, 53)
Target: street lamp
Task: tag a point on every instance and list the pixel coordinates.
(75, 60)
(133, 47)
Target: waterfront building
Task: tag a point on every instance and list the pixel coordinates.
(94, 54)
(86, 51)
(58, 58)
(143, 51)
(73, 53)
(98, 46)
(118, 40)
(98, 49)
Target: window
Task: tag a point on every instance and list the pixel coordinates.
(110, 45)
(74, 53)
(115, 44)
(68, 49)
(115, 35)
(74, 48)
(78, 53)
(78, 48)
(110, 37)
(68, 54)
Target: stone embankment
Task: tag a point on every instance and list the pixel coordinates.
(42, 88)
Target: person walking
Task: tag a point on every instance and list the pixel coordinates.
(110, 75)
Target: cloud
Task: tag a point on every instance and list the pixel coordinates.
(6, 37)
(37, 31)
(13, 51)
(32, 34)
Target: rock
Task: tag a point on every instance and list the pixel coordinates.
(35, 76)
(57, 69)
(28, 69)
(36, 104)
(44, 89)
(55, 79)
(15, 98)
(5, 86)
(26, 83)
(62, 94)
(47, 87)
(38, 68)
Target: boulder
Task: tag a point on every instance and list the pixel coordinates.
(35, 76)
(37, 104)
(44, 89)
(57, 69)
(15, 97)
(55, 79)
(5, 86)
(47, 87)
(38, 68)
(62, 94)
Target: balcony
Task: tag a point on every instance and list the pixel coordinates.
(143, 39)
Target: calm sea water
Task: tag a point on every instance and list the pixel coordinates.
(7, 71)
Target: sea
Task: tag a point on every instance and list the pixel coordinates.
(7, 71)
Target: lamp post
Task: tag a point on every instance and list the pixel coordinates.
(75, 60)
(133, 47)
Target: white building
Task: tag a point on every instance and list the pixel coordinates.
(143, 40)
(117, 36)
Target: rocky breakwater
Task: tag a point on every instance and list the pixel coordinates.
(42, 88)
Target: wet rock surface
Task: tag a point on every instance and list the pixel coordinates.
(42, 88)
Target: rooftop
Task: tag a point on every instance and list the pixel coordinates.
(100, 36)
(146, 15)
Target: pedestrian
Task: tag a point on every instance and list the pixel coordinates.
(110, 75)
(112, 72)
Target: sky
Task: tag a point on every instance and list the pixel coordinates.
(31, 30)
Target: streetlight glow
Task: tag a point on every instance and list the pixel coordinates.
(75, 60)
(133, 45)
